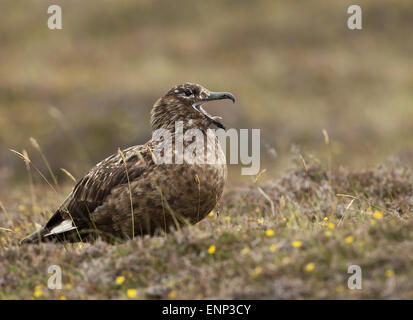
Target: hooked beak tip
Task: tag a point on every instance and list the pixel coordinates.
(230, 97)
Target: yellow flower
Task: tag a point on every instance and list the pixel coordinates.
(257, 210)
(269, 232)
(21, 207)
(273, 247)
(349, 239)
(131, 293)
(285, 219)
(256, 272)
(389, 273)
(227, 218)
(377, 215)
(120, 280)
(340, 288)
(211, 249)
(325, 219)
(62, 298)
(36, 209)
(245, 251)
(38, 291)
(68, 286)
(328, 233)
(331, 225)
(309, 267)
(17, 229)
(211, 214)
(296, 243)
(172, 294)
(260, 221)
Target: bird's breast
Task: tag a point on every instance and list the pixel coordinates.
(195, 186)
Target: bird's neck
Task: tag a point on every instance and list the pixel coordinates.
(177, 117)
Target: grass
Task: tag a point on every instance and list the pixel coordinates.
(322, 222)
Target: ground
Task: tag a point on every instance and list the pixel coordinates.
(298, 246)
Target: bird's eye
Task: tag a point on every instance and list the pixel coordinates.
(188, 92)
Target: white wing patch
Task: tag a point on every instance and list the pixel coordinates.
(65, 225)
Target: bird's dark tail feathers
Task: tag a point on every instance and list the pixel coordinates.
(36, 237)
(44, 235)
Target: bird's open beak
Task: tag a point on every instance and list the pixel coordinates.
(219, 96)
(214, 96)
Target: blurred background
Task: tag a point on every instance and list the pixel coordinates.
(294, 67)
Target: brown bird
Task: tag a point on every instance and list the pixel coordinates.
(130, 193)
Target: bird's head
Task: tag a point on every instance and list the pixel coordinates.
(184, 102)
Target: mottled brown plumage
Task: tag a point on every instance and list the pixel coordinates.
(162, 195)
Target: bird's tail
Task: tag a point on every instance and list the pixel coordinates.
(35, 237)
(65, 230)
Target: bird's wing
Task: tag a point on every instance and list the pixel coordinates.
(91, 191)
